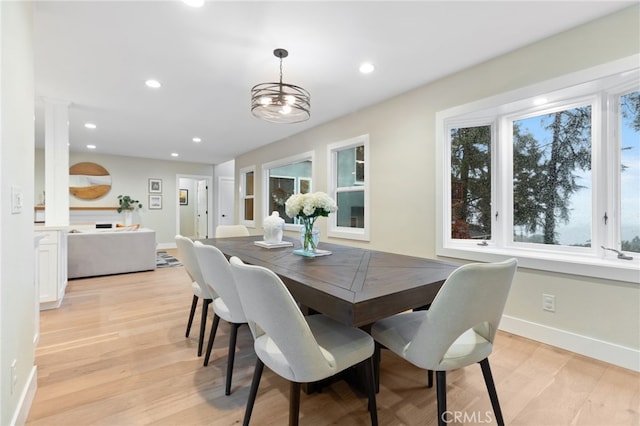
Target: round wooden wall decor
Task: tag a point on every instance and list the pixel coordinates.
(89, 181)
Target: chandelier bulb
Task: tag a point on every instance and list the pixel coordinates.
(286, 109)
(265, 100)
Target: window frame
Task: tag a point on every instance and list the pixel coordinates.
(600, 85)
(243, 196)
(266, 167)
(361, 234)
(594, 101)
(614, 132)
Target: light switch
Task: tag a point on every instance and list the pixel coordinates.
(17, 199)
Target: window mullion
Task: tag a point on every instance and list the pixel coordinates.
(606, 183)
(502, 201)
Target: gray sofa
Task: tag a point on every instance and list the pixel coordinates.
(105, 252)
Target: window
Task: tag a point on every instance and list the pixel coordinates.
(471, 182)
(284, 178)
(247, 196)
(348, 185)
(548, 174)
(552, 177)
(629, 166)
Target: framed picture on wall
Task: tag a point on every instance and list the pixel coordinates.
(155, 186)
(183, 196)
(155, 202)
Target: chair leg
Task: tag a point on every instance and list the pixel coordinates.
(371, 390)
(377, 354)
(194, 304)
(232, 354)
(441, 391)
(203, 324)
(212, 337)
(491, 388)
(294, 403)
(429, 378)
(257, 374)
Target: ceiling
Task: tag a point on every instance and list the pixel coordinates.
(98, 54)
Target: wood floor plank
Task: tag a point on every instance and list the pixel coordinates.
(115, 354)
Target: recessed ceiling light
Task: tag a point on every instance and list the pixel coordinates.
(193, 3)
(174, 154)
(91, 146)
(154, 84)
(197, 140)
(90, 125)
(367, 68)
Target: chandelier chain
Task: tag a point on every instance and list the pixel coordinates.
(281, 71)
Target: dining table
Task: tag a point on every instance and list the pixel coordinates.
(355, 286)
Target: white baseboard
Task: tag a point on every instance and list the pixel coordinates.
(26, 399)
(604, 351)
(164, 246)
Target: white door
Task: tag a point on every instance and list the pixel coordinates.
(225, 201)
(202, 214)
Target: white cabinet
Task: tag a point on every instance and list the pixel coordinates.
(52, 267)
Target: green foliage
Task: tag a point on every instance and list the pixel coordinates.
(528, 177)
(630, 104)
(633, 245)
(471, 171)
(127, 203)
(545, 174)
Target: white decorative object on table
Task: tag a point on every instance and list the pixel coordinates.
(273, 227)
(308, 207)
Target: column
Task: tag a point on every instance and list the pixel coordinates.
(56, 163)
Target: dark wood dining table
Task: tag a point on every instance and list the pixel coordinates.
(353, 285)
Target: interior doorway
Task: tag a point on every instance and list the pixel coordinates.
(225, 201)
(193, 206)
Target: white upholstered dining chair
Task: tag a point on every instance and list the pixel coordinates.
(457, 330)
(187, 254)
(298, 348)
(227, 231)
(217, 276)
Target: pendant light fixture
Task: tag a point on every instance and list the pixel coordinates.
(280, 102)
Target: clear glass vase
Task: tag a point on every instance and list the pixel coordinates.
(128, 217)
(309, 236)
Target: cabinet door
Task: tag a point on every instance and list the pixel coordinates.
(48, 272)
(62, 264)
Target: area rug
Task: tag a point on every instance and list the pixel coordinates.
(165, 260)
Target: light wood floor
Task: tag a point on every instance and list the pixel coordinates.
(115, 353)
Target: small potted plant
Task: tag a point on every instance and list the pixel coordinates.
(128, 205)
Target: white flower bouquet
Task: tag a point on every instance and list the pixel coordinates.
(308, 207)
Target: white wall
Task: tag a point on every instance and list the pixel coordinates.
(130, 176)
(17, 292)
(224, 170)
(188, 211)
(594, 312)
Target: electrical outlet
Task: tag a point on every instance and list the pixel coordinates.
(16, 200)
(548, 302)
(14, 376)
